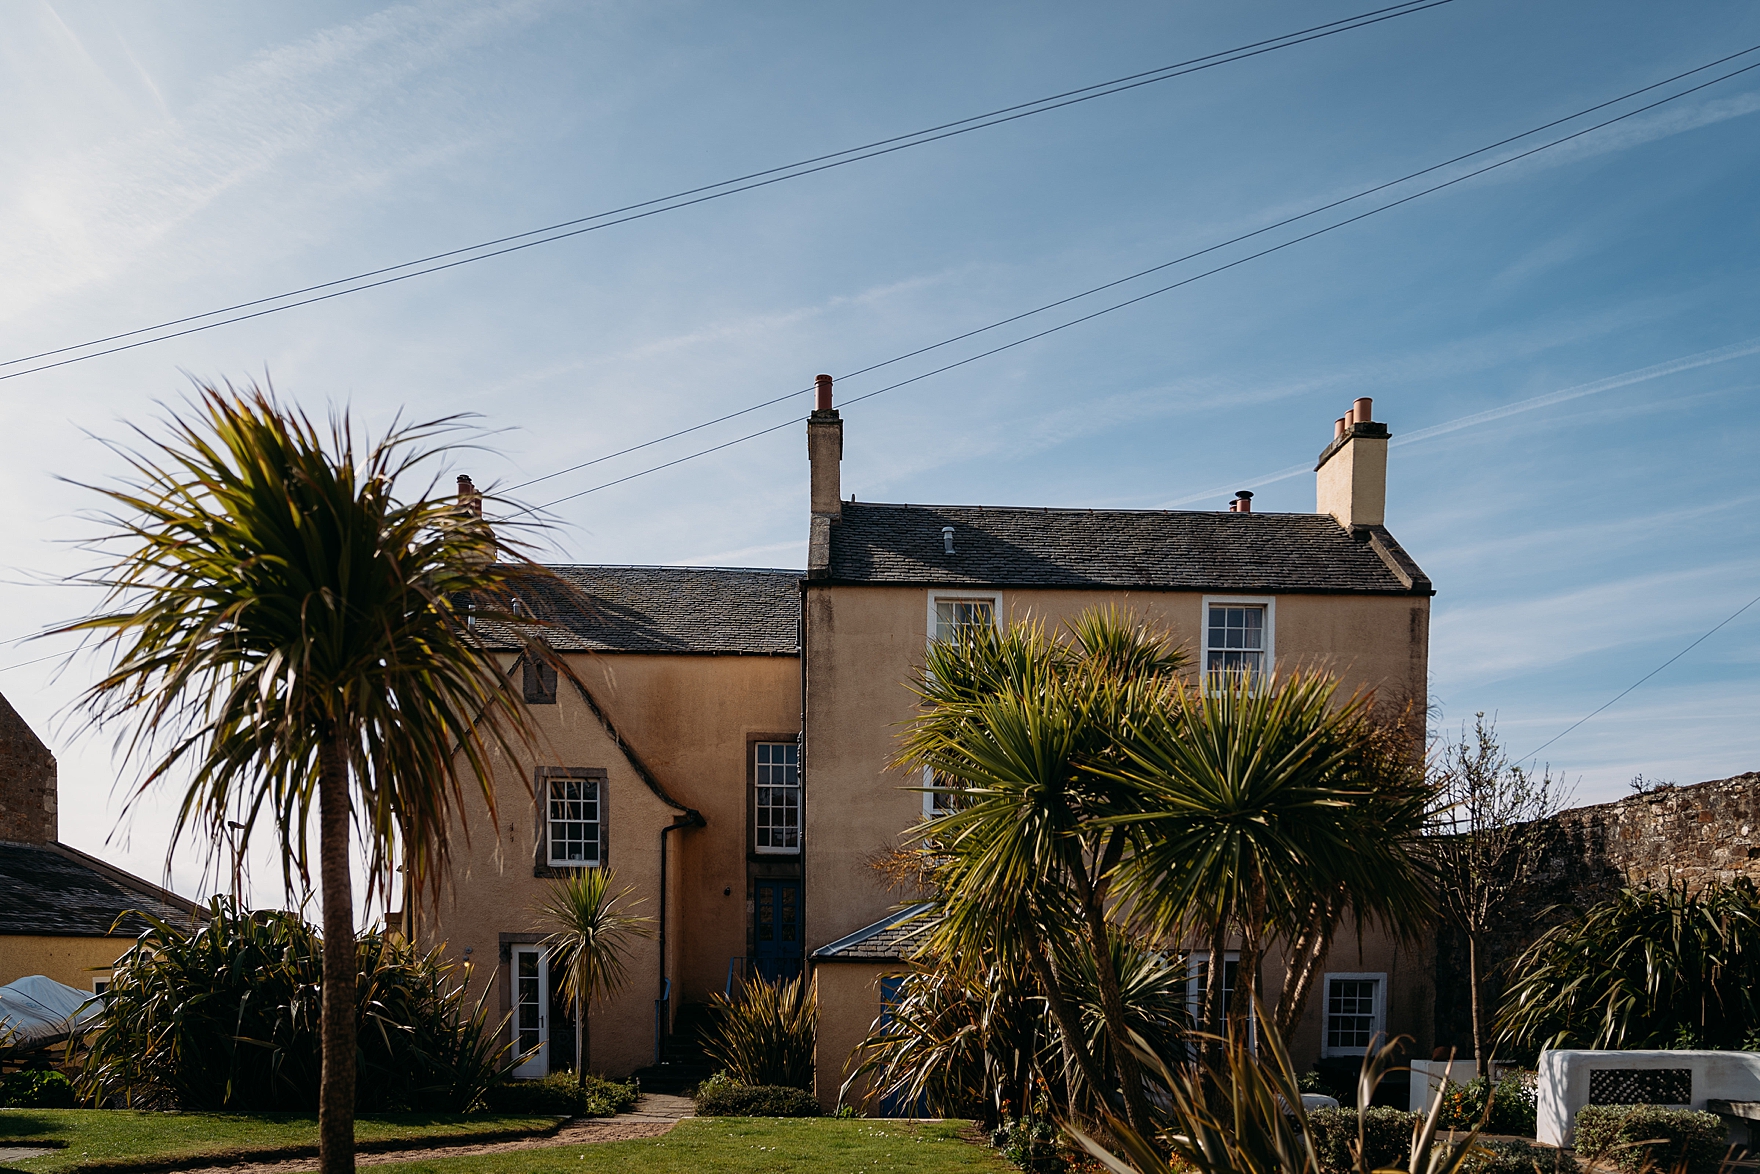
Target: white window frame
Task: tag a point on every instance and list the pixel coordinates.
(930, 811)
(1268, 602)
(538, 1063)
(598, 781)
(1195, 959)
(800, 822)
(993, 597)
(1378, 1024)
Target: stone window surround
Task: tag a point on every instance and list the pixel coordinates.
(541, 866)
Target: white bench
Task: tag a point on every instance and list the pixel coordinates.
(1570, 1079)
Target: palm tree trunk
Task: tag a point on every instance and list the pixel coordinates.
(1068, 1024)
(1215, 995)
(1130, 1073)
(580, 1040)
(1307, 952)
(337, 1022)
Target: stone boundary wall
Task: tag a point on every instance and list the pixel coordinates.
(1695, 834)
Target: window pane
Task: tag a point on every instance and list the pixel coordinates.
(776, 799)
(953, 616)
(1350, 1012)
(574, 821)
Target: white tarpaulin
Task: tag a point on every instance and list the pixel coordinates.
(36, 1011)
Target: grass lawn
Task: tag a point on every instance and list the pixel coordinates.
(731, 1145)
(96, 1138)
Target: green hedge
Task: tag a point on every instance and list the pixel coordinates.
(562, 1094)
(1518, 1157)
(36, 1089)
(726, 1099)
(1387, 1132)
(1608, 1131)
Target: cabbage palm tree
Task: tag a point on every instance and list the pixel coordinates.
(590, 930)
(285, 628)
(1259, 799)
(1017, 724)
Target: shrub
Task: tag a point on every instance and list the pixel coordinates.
(1513, 1105)
(225, 1016)
(765, 1037)
(725, 1098)
(1387, 1134)
(36, 1089)
(1684, 1136)
(1518, 1157)
(1034, 1142)
(562, 1093)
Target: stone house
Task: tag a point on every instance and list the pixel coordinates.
(727, 750)
(63, 913)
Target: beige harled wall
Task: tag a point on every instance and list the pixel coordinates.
(75, 961)
(689, 720)
(848, 995)
(864, 643)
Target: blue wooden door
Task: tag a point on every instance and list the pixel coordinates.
(778, 913)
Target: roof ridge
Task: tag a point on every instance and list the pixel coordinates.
(1082, 509)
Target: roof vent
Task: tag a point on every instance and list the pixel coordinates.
(1242, 503)
(947, 539)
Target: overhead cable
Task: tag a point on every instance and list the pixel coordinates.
(1369, 191)
(698, 195)
(1163, 289)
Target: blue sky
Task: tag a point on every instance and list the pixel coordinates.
(168, 160)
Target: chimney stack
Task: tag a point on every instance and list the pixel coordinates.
(824, 458)
(1351, 476)
(1242, 503)
(468, 497)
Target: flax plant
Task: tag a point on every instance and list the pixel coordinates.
(765, 1034)
(288, 624)
(591, 927)
(1659, 966)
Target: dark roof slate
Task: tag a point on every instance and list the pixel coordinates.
(1147, 549)
(54, 890)
(891, 939)
(689, 610)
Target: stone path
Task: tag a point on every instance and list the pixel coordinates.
(654, 1114)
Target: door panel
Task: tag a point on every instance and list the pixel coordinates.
(778, 912)
(531, 1004)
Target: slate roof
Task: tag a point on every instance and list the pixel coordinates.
(891, 939)
(1149, 549)
(691, 610)
(54, 890)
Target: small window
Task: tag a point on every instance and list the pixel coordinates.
(1198, 983)
(540, 682)
(100, 986)
(937, 802)
(573, 822)
(1353, 1013)
(776, 805)
(954, 616)
(1237, 638)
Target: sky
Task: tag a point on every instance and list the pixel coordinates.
(1566, 349)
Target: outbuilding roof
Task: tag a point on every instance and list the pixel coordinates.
(891, 939)
(688, 610)
(57, 891)
(1145, 549)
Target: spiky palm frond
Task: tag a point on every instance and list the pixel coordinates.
(765, 1033)
(270, 589)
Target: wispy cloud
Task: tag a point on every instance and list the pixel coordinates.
(89, 215)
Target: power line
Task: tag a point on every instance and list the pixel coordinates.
(22, 663)
(1161, 290)
(728, 187)
(1644, 678)
(1369, 191)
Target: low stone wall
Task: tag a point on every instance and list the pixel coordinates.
(1696, 834)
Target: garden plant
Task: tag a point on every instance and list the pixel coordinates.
(287, 617)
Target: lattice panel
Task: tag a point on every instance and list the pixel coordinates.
(1640, 1086)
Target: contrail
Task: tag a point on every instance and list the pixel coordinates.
(1722, 354)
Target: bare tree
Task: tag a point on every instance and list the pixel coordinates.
(1490, 838)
